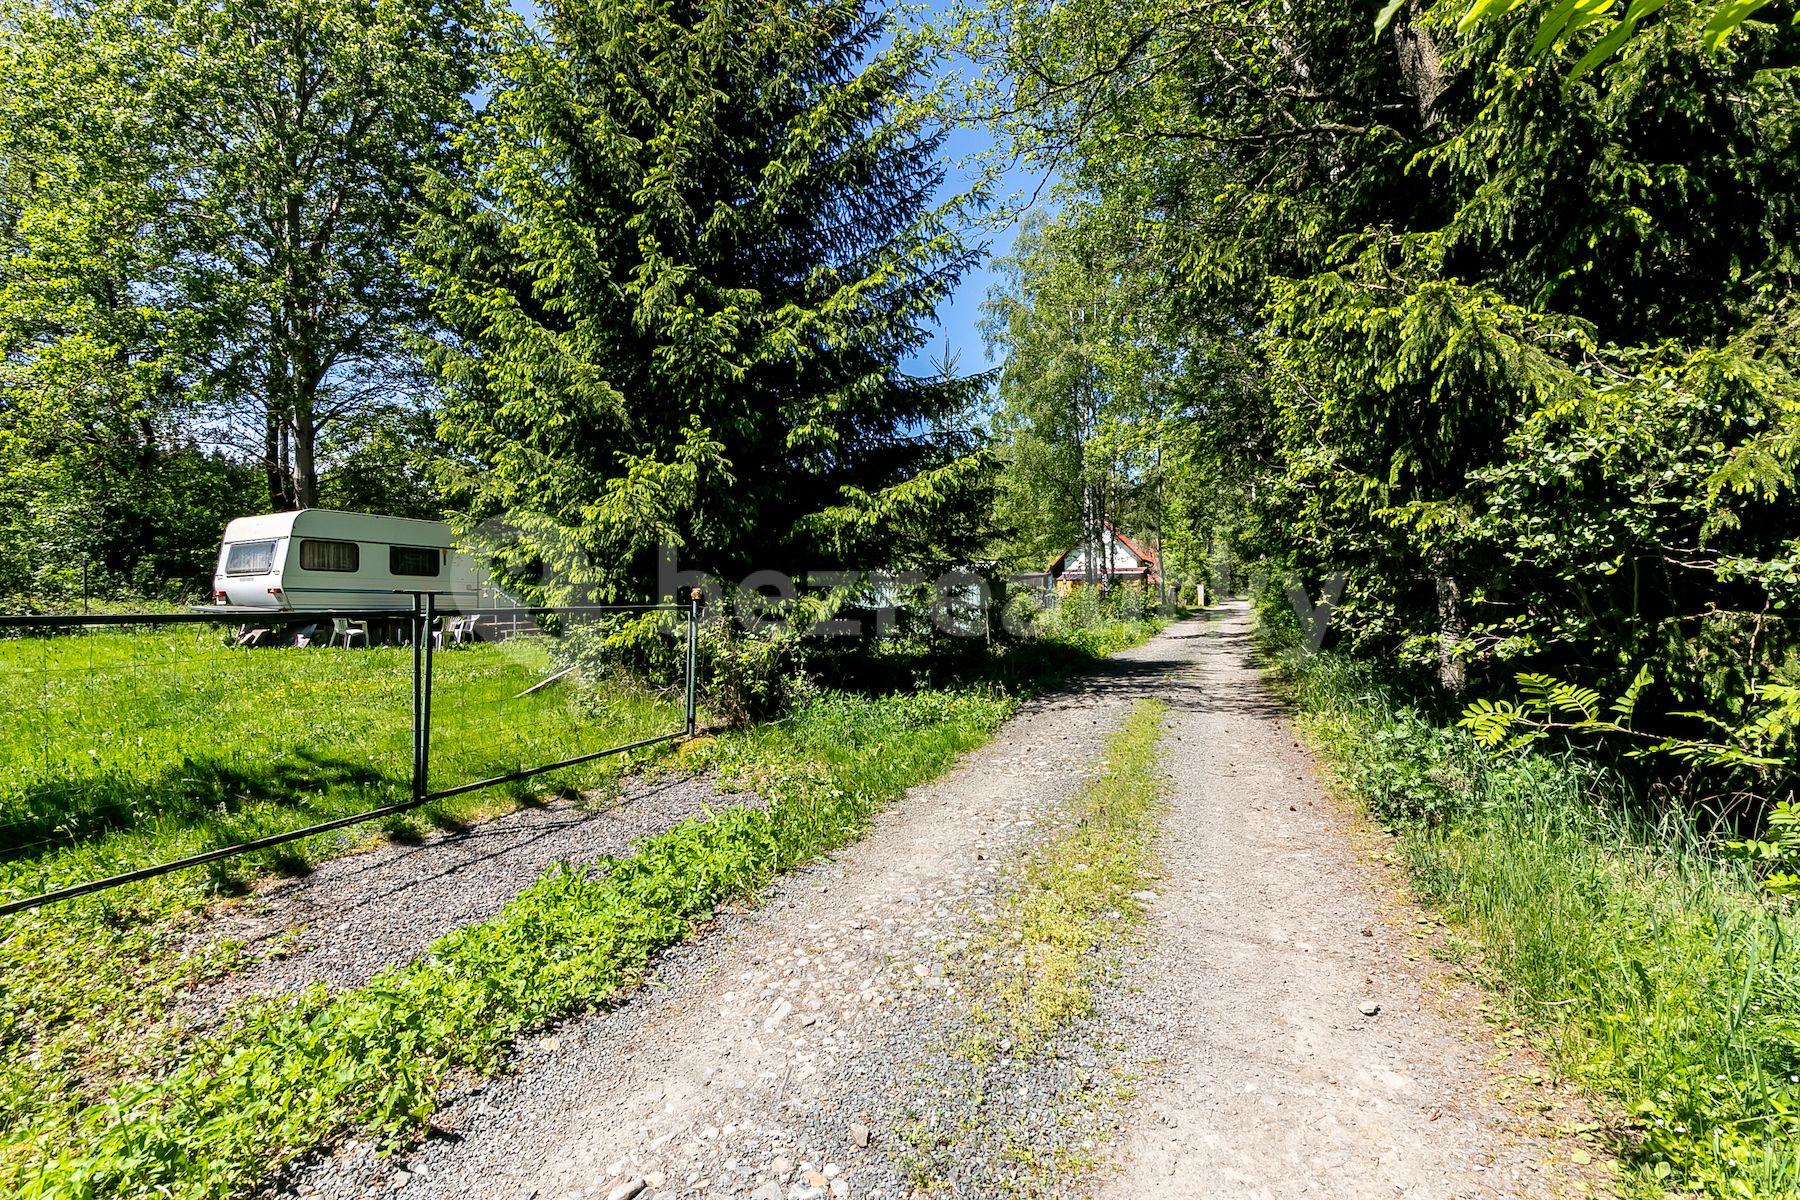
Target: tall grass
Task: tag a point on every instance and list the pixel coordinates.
(1658, 976)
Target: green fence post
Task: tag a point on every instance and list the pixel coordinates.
(422, 784)
(424, 615)
(693, 657)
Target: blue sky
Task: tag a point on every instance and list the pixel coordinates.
(959, 317)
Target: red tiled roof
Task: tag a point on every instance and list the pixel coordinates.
(1144, 556)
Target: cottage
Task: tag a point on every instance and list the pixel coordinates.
(1115, 559)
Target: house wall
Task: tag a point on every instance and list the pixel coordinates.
(1123, 560)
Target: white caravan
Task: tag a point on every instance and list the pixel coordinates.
(318, 560)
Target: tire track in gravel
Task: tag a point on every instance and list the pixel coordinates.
(757, 1047)
(1301, 1054)
(352, 916)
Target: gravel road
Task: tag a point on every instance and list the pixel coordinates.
(807, 1047)
(1304, 1054)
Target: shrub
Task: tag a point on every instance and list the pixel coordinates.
(743, 676)
(746, 676)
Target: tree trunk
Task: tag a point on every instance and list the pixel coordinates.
(1421, 63)
(1091, 548)
(278, 407)
(272, 456)
(285, 466)
(306, 469)
(1452, 627)
(306, 427)
(1103, 511)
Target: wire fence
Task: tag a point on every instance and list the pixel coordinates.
(134, 745)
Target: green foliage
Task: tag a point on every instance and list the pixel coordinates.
(1776, 853)
(290, 1073)
(305, 138)
(698, 241)
(125, 749)
(1759, 748)
(753, 676)
(1505, 340)
(202, 208)
(1613, 26)
(1099, 620)
(213, 1115)
(383, 461)
(1077, 415)
(1412, 773)
(84, 519)
(757, 657)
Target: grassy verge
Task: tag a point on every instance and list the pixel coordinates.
(126, 749)
(1653, 974)
(212, 1116)
(121, 749)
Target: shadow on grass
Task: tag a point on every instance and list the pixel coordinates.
(210, 801)
(225, 799)
(1027, 668)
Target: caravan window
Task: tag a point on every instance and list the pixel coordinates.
(412, 560)
(250, 558)
(317, 555)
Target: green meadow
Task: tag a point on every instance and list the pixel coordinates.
(118, 750)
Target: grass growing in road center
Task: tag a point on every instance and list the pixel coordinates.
(1029, 971)
(1073, 895)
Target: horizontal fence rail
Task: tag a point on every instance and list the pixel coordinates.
(282, 616)
(425, 623)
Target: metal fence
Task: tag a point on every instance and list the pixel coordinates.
(423, 626)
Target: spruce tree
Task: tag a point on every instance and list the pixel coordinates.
(703, 237)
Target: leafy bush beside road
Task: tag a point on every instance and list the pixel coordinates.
(757, 658)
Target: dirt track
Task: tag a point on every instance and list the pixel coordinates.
(807, 1048)
(1270, 939)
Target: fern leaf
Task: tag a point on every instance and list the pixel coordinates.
(1625, 706)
